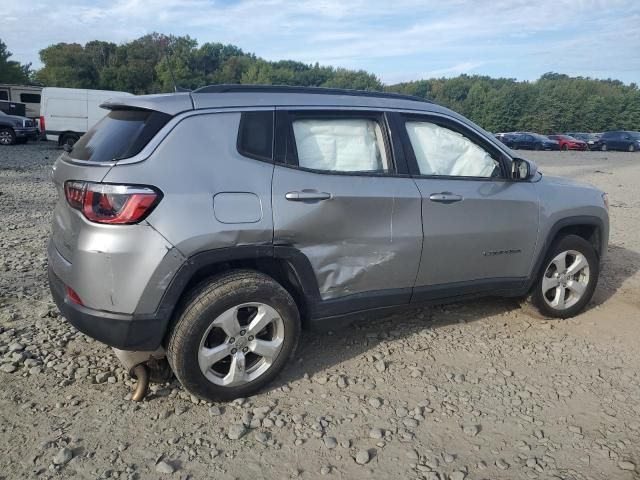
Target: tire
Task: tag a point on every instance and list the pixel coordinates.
(565, 148)
(568, 302)
(537, 147)
(68, 141)
(603, 147)
(7, 136)
(632, 148)
(217, 316)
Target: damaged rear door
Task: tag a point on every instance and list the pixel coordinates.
(341, 200)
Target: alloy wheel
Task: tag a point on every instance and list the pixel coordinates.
(5, 138)
(241, 344)
(565, 280)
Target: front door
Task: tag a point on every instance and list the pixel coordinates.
(338, 199)
(480, 228)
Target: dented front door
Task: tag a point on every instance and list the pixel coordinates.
(360, 233)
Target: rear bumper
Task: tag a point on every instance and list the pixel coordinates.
(126, 332)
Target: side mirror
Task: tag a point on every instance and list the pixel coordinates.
(522, 169)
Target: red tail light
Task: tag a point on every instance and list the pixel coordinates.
(42, 129)
(112, 204)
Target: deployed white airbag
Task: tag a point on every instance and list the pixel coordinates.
(344, 145)
(440, 151)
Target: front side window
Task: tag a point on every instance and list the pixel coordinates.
(442, 151)
(340, 145)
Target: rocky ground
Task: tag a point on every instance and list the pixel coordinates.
(476, 390)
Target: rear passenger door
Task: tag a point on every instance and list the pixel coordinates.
(341, 200)
(480, 228)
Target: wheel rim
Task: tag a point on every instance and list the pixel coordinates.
(565, 280)
(5, 138)
(241, 344)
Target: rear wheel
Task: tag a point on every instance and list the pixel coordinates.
(234, 335)
(68, 141)
(568, 279)
(7, 136)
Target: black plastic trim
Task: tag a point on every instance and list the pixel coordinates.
(574, 221)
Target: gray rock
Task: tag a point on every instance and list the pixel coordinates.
(471, 430)
(627, 465)
(375, 402)
(215, 411)
(8, 368)
(401, 412)
(262, 437)
(16, 347)
(330, 442)
(380, 366)
(376, 433)
(501, 464)
(325, 470)
(236, 431)
(165, 467)
(362, 457)
(457, 475)
(63, 457)
(448, 458)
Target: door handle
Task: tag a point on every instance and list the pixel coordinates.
(307, 195)
(445, 197)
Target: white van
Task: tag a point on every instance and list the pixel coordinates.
(67, 113)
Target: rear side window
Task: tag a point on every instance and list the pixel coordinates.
(255, 135)
(30, 97)
(340, 145)
(121, 134)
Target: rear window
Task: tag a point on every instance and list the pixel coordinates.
(121, 134)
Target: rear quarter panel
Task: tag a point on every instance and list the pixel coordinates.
(196, 161)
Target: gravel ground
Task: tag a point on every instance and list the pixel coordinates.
(485, 389)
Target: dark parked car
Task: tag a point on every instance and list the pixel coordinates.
(16, 129)
(529, 141)
(624, 140)
(567, 142)
(592, 139)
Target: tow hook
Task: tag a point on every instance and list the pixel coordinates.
(141, 372)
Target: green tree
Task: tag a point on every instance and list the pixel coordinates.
(10, 70)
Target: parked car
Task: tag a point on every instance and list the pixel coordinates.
(212, 226)
(627, 141)
(16, 129)
(530, 141)
(592, 139)
(67, 113)
(567, 142)
(27, 94)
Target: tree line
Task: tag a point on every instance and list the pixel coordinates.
(152, 63)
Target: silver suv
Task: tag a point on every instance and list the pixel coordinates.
(212, 226)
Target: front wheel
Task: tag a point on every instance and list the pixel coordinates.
(7, 136)
(233, 336)
(568, 279)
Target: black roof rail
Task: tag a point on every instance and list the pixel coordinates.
(250, 88)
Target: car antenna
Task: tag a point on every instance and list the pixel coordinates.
(176, 88)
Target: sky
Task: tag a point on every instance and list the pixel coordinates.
(397, 40)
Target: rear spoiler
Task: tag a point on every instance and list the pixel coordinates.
(170, 103)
